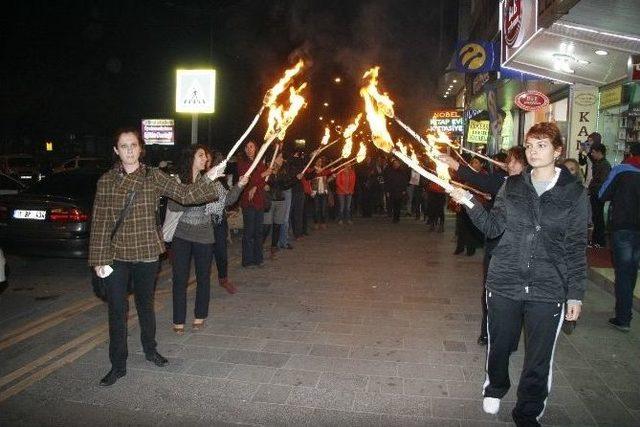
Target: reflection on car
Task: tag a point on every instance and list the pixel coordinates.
(51, 218)
(9, 185)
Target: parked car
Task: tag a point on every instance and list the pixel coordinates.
(19, 166)
(51, 218)
(81, 163)
(9, 185)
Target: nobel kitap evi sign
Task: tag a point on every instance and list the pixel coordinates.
(447, 121)
(195, 91)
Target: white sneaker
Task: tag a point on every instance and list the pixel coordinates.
(491, 405)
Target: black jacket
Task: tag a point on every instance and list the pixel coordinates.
(601, 169)
(396, 181)
(624, 194)
(542, 253)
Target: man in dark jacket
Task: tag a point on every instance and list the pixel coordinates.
(396, 181)
(622, 188)
(601, 169)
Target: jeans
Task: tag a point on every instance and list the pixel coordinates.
(143, 275)
(202, 253)
(297, 212)
(597, 212)
(283, 240)
(626, 255)
(396, 200)
(344, 207)
(320, 208)
(220, 247)
(252, 236)
(410, 191)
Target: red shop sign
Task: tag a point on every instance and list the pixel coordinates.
(512, 22)
(531, 100)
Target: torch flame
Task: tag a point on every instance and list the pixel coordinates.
(325, 138)
(347, 134)
(440, 138)
(273, 93)
(376, 107)
(279, 119)
(362, 153)
(401, 147)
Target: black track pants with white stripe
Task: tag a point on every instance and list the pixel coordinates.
(542, 322)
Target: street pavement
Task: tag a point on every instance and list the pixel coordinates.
(373, 324)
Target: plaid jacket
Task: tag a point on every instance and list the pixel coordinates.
(138, 238)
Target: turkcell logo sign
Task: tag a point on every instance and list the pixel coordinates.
(474, 56)
(195, 91)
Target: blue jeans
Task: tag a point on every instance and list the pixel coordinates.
(202, 254)
(220, 247)
(626, 256)
(252, 236)
(320, 208)
(344, 207)
(284, 230)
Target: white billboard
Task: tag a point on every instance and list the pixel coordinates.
(195, 91)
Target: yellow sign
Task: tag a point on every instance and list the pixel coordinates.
(478, 132)
(48, 146)
(610, 97)
(195, 91)
(472, 56)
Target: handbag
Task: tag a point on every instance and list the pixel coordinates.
(171, 221)
(99, 284)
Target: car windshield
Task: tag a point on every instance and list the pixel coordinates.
(67, 185)
(21, 162)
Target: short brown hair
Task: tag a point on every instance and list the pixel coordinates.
(546, 130)
(128, 129)
(517, 152)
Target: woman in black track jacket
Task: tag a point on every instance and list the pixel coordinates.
(539, 264)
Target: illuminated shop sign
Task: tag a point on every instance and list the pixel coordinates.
(447, 121)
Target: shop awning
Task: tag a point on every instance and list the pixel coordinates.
(589, 45)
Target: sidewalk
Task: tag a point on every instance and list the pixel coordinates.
(602, 274)
(373, 324)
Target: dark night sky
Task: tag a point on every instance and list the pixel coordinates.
(87, 67)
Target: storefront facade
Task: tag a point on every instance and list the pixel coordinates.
(574, 44)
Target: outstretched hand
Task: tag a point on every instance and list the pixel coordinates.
(449, 161)
(460, 195)
(217, 171)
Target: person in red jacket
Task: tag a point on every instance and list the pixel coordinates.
(345, 186)
(253, 205)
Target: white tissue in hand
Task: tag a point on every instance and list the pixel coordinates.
(104, 271)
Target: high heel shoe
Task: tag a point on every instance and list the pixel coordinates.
(198, 324)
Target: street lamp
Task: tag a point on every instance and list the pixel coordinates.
(337, 80)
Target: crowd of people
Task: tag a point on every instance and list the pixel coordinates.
(530, 211)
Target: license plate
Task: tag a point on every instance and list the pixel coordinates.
(24, 214)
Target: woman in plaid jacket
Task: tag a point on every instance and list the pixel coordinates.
(132, 252)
